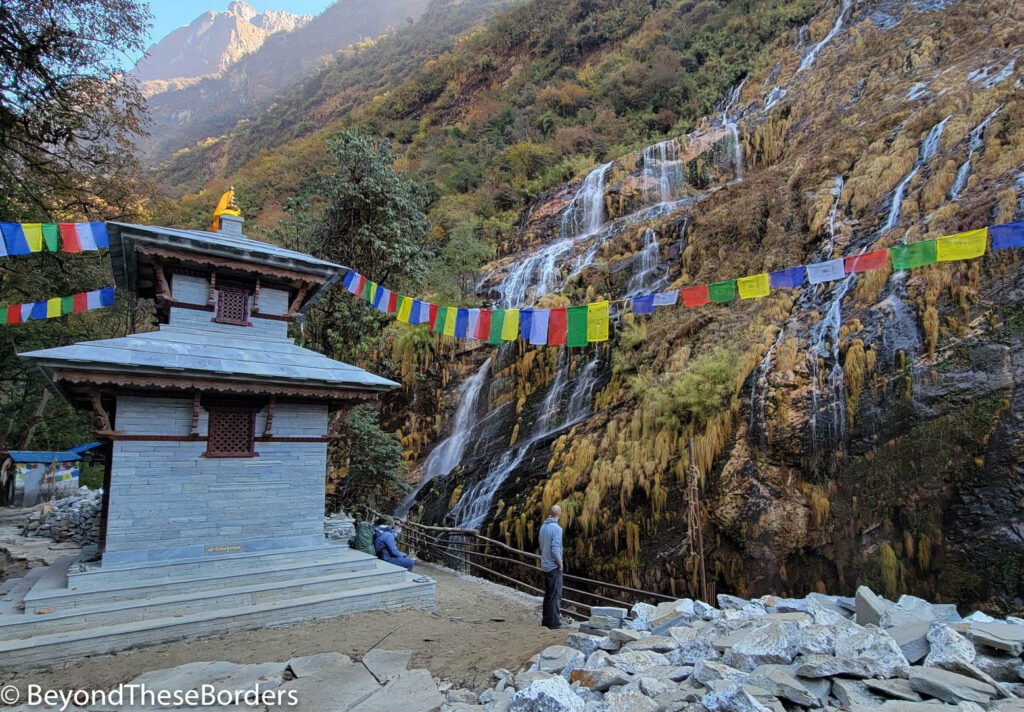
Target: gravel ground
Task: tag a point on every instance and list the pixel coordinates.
(478, 626)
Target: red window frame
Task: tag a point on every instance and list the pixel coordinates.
(231, 432)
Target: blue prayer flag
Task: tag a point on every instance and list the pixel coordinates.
(415, 312)
(789, 277)
(107, 296)
(461, 323)
(14, 236)
(644, 304)
(525, 322)
(99, 234)
(1008, 235)
(39, 310)
(350, 277)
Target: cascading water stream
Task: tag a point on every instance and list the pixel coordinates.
(929, 147)
(731, 126)
(448, 454)
(585, 213)
(975, 143)
(812, 54)
(662, 168)
(647, 271)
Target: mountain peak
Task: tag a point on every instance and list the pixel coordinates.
(210, 43)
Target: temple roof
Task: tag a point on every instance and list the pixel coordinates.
(193, 354)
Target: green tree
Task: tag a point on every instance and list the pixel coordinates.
(689, 399)
(365, 215)
(372, 461)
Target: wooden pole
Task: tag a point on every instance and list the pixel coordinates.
(696, 525)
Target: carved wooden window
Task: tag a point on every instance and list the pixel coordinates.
(232, 306)
(231, 432)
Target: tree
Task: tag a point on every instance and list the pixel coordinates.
(364, 215)
(68, 115)
(372, 462)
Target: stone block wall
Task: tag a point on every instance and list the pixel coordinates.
(195, 290)
(167, 500)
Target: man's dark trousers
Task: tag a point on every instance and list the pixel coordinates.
(552, 598)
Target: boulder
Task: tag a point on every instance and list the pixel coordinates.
(766, 644)
(598, 658)
(679, 701)
(587, 644)
(551, 695)
(854, 692)
(628, 701)
(979, 617)
(780, 681)
(526, 678)
(599, 679)
(694, 645)
(948, 649)
(652, 686)
(705, 611)
(1000, 636)
(637, 661)
(1001, 667)
(559, 658)
(869, 606)
(657, 643)
(949, 686)
(625, 635)
(642, 614)
(817, 639)
(898, 688)
(671, 613)
(826, 615)
(707, 670)
(912, 639)
(672, 673)
(732, 699)
(876, 650)
(817, 666)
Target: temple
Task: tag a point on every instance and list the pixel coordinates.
(216, 427)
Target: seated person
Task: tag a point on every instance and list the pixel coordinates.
(386, 547)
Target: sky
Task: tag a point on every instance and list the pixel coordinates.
(169, 15)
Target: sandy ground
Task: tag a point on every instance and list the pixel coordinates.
(478, 626)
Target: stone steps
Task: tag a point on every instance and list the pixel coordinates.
(45, 650)
(208, 598)
(52, 590)
(108, 576)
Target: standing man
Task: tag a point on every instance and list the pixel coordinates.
(551, 565)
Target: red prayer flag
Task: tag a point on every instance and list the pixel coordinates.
(695, 296)
(14, 314)
(558, 326)
(80, 302)
(866, 262)
(69, 236)
(433, 315)
(392, 303)
(483, 325)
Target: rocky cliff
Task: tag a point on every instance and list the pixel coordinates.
(871, 431)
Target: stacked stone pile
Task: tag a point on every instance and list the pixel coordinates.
(339, 526)
(75, 518)
(772, 655)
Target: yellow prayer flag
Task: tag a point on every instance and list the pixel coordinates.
(405, 310)
(510, 327)
(597, 321)
(449, 320)
(373, 292)
(33, 235)
(754, 286)
(52, 307)
(965, 246)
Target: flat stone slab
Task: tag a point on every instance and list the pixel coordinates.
(912, 639)
(855, 692)
(320, 664)
(1001, 636)
(897, 687)
(599, 679)
(387, 664)
(950, 687)
(339, 692)
(870, 607)
(411, 691)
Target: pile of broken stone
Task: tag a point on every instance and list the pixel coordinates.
(773, 655)
(72, 518)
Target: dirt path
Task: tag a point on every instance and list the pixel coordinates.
(461, 642)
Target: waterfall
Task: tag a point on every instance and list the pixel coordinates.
(759, 392)
(929, 147)
(773, 97)
(646, 270)
(837, 190)
(585, 214)
(553, 400)
(812, 55)
(663, 168)
(447, 455)
(975, 143)
(734, 134)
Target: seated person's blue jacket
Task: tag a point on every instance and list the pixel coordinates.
(386, 547)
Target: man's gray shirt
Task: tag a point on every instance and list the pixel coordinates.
(550, 544)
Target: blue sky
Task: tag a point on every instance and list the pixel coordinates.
(171, 14)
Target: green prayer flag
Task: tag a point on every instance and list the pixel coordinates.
(722, 291)
(67, 305)
(3, 315)
(497, 324)
(51, 237)
(442, 312)
(916, 254)
(368, 290)
(577, 335)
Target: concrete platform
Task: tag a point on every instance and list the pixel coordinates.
(68, 610)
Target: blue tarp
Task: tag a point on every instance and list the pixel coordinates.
(69, 455)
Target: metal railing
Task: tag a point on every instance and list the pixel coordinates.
(468, 551)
